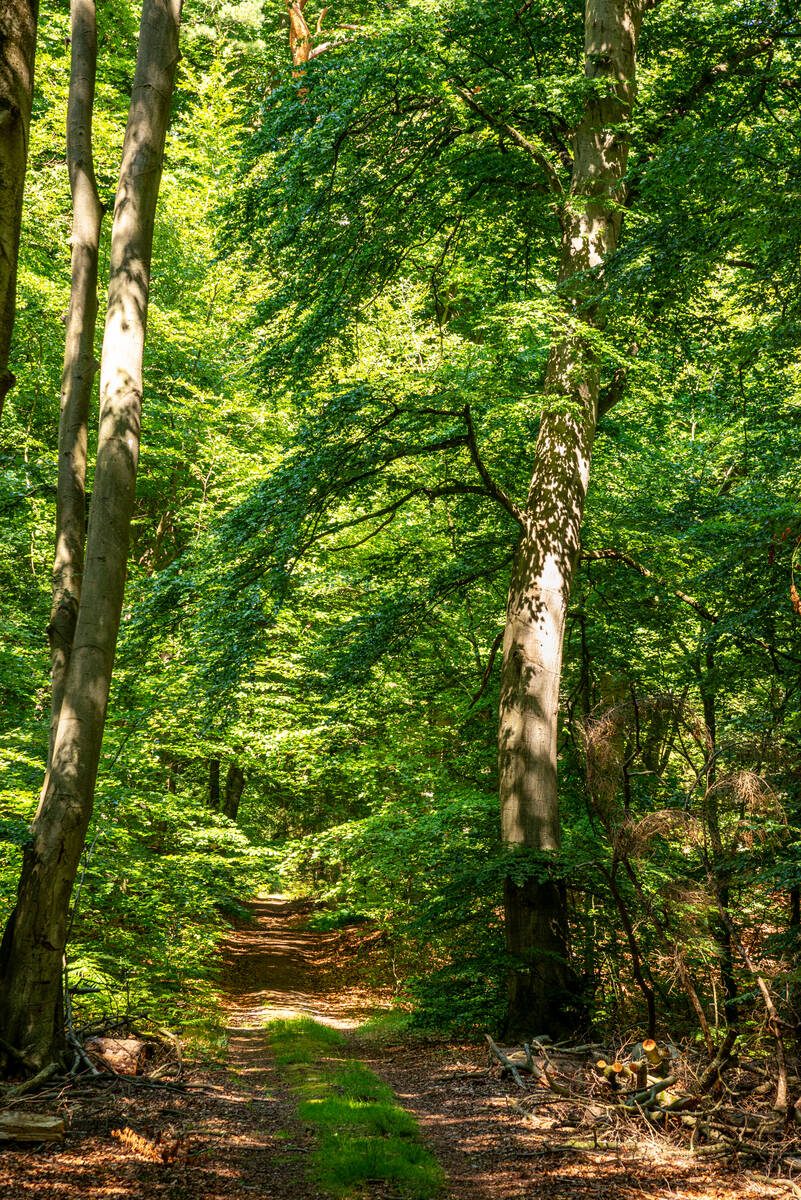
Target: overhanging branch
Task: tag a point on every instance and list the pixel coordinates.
(490, 485)
(705, 613)
(628, 561)
(514, 135)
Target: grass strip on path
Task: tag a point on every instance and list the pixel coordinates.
(363, 1133)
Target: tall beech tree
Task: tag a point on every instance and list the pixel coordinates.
(18, 20)
(590, 215)
(79, 355)
(577, 174)
(458, 167)
(35, 936)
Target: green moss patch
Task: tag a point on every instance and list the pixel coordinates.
(363, 1134)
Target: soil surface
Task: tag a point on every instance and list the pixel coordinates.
(236, 1133)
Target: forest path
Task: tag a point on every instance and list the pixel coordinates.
(241, 1121)
(276, 967)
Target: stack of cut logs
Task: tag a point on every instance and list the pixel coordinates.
(640, 1084)
(668, 1091)
(646, 1076)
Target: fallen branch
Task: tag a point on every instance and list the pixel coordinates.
(514, 1068)
(32, 1084)
(646, 1099)
(506, 1062)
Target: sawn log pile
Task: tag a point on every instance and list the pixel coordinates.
(719, 1108)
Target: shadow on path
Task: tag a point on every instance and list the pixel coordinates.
(275, 968)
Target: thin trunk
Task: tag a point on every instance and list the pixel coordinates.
(692, 994)
(214, 784)
(34, 940)
(713, 823)
(549, 545)
(234, 786)
(79, 360)
(18, 20)
(634, 950)
(775, 1022)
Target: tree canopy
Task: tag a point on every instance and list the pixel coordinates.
(443, 296)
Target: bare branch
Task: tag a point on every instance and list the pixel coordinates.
(321, 49)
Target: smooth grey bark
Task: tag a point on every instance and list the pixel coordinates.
(18, 20)
(79, 359)
(542, 989)
(34, 940)
(234, 786)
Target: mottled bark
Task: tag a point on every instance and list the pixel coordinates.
(33, 945)
(79, 359)
(302, 41)
(234, 786)
(549, 544)
(18, 20)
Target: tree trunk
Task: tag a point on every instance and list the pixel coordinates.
(546, 556)
(79, 359)
(17, 50)
(214, 784)
(34, 940)
(300, 38)
(234, 785)
(707, 686)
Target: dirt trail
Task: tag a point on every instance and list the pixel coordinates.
(240, 1123)
(277, 968)
(244, 1123)
(274, 967)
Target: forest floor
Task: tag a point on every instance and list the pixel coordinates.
(238, 1133)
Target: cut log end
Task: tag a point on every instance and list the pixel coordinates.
(126, 1056)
